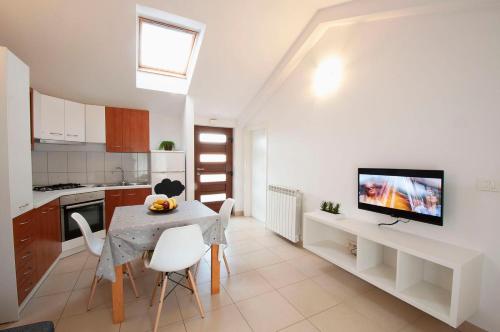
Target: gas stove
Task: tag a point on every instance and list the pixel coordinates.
(60, 186)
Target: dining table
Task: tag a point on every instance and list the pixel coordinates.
(136, 229)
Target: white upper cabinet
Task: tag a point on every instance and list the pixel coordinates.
(17, 145)
(64, 120)
(52, 118)
(95, 124)
(74, 121)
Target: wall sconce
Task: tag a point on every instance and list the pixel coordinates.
(327, 77)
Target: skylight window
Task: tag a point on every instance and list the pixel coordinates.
(164, 48)
(168, 46)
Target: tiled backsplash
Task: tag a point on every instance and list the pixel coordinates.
(88, 167)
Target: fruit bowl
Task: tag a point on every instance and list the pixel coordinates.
(163, 205)
(152, 209)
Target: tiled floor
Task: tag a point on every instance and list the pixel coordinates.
(274, 286)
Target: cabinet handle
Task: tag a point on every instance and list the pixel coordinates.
(27, 272)
(131, 194)
(52, 209)
(26, 256)
(27, 289)
(25, 239)
(72, 135)
(24, 205)
(116, 146)
(24, 223)
(58, 134)
(44, 212)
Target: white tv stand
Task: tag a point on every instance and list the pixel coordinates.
(439, 278)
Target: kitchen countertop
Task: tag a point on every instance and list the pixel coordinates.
(42, 198)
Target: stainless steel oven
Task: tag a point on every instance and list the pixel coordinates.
(89, 205)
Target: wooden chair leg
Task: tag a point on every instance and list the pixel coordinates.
(196, 295)
(158, 313)
(131, 277)
(157, 281)
(92, 292)
(225, 263)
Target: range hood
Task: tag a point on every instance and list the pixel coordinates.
(53, 141)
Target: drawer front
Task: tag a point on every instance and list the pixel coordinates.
(22, 241)
(25, 257)
(25, 274)
(23, 227)
(24, 287)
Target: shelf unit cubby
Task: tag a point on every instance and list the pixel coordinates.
(377, 263)
(422, 281)
(441, 279)
(332, 244)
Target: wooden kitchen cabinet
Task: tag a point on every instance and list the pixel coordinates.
(49, 220)
(135, 196)
(37, 244)
(113, 199)
(123, 197)
(114, 129)
(25, 229)
(127, 130)
(136, 131)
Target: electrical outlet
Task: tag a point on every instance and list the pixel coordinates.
(487, 185)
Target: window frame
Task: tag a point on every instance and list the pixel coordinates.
(160, 71)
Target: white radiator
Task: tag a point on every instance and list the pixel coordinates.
(284, 212)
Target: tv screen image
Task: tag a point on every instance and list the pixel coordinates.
(411, 194)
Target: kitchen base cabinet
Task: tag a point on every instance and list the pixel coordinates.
(123, 197)
(25, 229)
(113, 200)
(49, 247)
(37, 245)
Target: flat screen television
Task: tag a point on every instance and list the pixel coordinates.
(402, 193)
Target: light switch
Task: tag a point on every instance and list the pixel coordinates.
(487, 185)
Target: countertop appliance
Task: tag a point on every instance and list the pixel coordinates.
(168, 165)
(90, 205)
(59, 186)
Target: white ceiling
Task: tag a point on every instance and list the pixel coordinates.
(84, 50)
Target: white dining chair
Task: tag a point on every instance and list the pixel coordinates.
(94, 246)
(225, 216)
(152, 198)
(177, 249)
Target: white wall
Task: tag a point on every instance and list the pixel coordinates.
(188, 128)
(417, 92)
(166, 127)
(259, 174)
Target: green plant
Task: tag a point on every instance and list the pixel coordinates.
(167, 145)
(330, 207)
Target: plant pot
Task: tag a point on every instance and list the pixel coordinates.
(339, 216)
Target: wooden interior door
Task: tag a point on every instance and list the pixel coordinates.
(213, 151)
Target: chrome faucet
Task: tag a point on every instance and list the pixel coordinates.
(123, 175)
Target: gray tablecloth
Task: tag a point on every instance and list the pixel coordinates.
(135, 229)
